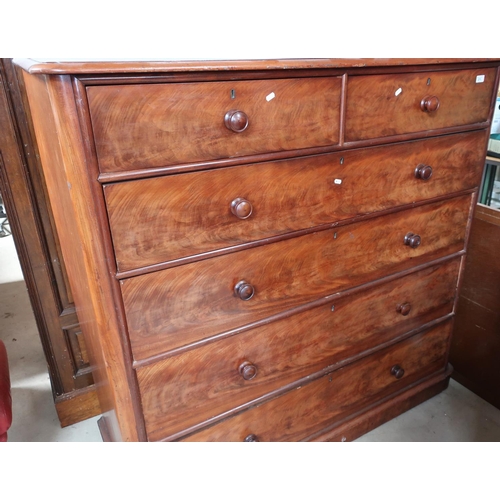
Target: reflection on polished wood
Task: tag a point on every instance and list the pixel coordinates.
(263, 250)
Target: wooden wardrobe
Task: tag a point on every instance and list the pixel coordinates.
(24, 193)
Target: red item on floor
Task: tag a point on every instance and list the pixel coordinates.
(5, 397)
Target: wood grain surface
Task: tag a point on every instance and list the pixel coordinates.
(186, 304)
(72, 193)
(475, 345)
(387, 105)
(288, 350)
(140, 65)
(162, 219)
(25, 196)
(307, 409)
(143, 126)
(386, 409)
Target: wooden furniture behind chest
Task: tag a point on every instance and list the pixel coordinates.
(475, 347)
(263, 250)
(24, 193)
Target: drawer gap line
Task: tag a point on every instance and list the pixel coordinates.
(290, 312)
(108, 177)
(416, 387)
(308, 379)
(120, 275)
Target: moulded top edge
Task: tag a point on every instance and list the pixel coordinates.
(102, 66)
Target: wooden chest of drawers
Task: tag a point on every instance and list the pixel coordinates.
(263, 250)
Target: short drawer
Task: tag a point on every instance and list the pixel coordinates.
(388, 105)
(223, 375)
(186, 304)
(154, 125)
(168, 218)
(303, 412)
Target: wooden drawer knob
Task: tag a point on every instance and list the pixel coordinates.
(429, 104)
(423, 172)
(241, 208)
(247, 370)
(404, 309)
(412, 240)
(244, 290)
(397, 371)
(236, 121)
(251, 438)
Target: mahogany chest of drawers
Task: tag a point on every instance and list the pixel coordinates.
(263, 250)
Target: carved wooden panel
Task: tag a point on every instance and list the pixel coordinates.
(37, 244)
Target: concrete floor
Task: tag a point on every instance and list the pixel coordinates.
(34, 415)
(454, 415)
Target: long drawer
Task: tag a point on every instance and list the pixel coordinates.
(302, 412)
(185, 304)
(181, 215)
(389, 105)
(234, 371)
(153, 125)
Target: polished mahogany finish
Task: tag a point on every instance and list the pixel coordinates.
(140, 126)
(413, 240)
(181, 215)
(423, 172)
(244, 290)
(404, 309)
(236, 237)
(397, 371)
(236, 121)
(247, 370)
(361, 321)
(387, 105)
(311, 407)
(241, 208)
(429, 104)
(141, 66)
(60, 145)
(200, 301)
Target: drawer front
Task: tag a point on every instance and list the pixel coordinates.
(387, 105)
(144, 126)
(234, 371)
(182, 305)
(302, 412)
(181, 215)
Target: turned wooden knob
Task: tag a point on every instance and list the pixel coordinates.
(251, 438)
(412, 240)
(404, 309)
(247, 370)
(397, 371)
(423, 172)
(236, 120)
(244, 290)
(429, 104)
(241, 208)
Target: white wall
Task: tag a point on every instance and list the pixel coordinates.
(10, 269)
